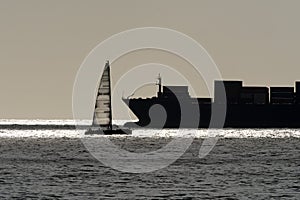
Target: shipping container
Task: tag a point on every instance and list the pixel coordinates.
(232, 92)
(297, 95)
(282, 95)
(254, 95)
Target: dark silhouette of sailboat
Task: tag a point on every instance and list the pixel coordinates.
(102, 120)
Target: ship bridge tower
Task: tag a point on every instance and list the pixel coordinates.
(159, 93)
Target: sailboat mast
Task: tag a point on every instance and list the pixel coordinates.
(109, 86)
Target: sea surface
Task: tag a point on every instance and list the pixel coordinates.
(55, 164)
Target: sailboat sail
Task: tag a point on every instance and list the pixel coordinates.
(103, 111)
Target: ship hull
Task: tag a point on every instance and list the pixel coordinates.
(236, 115)
(109, 132)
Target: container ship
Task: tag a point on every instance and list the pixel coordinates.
(246, 107)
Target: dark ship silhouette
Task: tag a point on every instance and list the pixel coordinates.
(246, 107)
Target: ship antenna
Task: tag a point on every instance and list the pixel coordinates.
(159, 85)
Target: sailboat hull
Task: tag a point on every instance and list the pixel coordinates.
(109, 132)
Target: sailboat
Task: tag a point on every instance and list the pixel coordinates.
(102, 120)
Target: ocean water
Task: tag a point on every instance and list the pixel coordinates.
(244, 164)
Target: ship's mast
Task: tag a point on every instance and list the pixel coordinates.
(109, 86)
(159, 85)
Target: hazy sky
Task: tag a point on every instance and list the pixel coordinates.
(43, 43)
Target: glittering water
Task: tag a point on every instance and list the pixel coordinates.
(245, 164)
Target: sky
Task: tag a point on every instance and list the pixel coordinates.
(43, 44)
